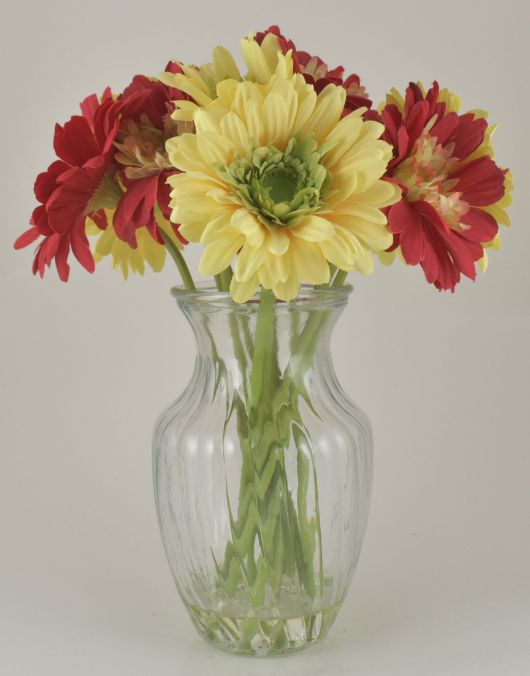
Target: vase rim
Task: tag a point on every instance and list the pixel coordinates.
(208, 295)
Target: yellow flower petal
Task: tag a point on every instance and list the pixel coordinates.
(205, 121)
(274, 269)
(306, 105)
(218, 255)
(336, 253)
(255, 122)
(274, 120)
(258, 67)
(310, 263)
(362, 259)
(313, 229)
(387, 257)
(277, 241)
(215, 148)
(241, 291)
(341, 138)
(225, 67)
(218, 226)
(249, 226)
(376, 236)
(381, 193)
(287, 290)
(270, 47)
(327, 112)
(248, 263)
(191, 231)
(363, 211)
(183, 154)
(235, 131)
(192, 87)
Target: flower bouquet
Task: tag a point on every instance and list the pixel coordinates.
(289, 180)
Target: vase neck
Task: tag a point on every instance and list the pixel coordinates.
(264, 338)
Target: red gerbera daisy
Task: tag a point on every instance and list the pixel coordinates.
(112, 156)
(317, 73)
(74, 187)
(449, 181)
(142, 161)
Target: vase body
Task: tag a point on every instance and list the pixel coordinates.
(262, 473)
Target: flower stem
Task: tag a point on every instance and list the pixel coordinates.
(223, 279)
(175, 254)
(263, 348)
(339, 279)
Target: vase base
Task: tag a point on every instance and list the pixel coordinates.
(259, 636)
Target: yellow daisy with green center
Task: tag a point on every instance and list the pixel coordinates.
(276, 181)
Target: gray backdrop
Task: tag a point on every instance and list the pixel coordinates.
(443, 584)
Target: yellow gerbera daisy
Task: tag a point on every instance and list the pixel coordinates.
(276, 177)
(124, 257)
(262, 60)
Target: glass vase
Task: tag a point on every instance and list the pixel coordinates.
(262, 472)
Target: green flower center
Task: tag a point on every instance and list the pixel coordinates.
(281, 183)
(280, 186)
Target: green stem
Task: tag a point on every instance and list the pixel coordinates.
(175, 254)
(332, 271)
(262, 348)
(223, 279)
(339, 279)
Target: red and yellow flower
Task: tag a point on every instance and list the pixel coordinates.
(439, 203)
(453, 192)
(141, 160)
(317, 73)
(111, 176)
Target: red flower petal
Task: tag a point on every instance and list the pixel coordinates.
(481, 182)
(391, 118)
(410, 224)
(39, 218)
(432, 96)
(69, 204)
(46, 182)
(483, 227)
(100, 219)
(45, 253)
(416, 121)
(75, 143)
(26, 238)
(90, 105)
(61, 257)
(445, 128)
(469, 135)
(81, 248)
(106, 125)
(135, 209)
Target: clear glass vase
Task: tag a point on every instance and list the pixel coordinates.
(262, 472)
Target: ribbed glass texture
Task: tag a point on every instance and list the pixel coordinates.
(262, 472)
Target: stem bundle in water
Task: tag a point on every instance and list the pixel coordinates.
(274, 534)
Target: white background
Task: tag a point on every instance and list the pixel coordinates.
(443, 584)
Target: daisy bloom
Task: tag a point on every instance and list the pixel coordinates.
(141, 159)
(317, 72)
(110, 179)
(454, 195)
(131, 235)
(274, 177)
(81, 183)
(148, 250)
(263, 61)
